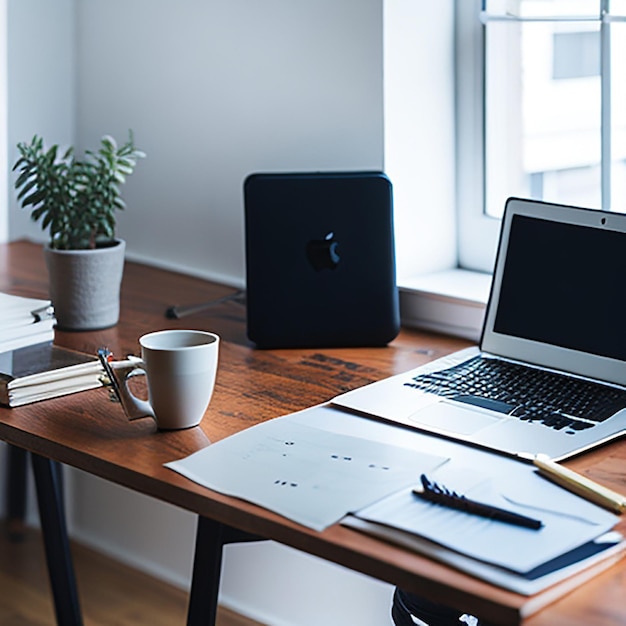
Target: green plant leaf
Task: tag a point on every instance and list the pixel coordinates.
(34, 198)
(26, 189)
(18, 163)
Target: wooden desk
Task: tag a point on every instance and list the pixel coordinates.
(90, 432)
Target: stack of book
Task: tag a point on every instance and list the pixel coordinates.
(24, 321)
(32, 368)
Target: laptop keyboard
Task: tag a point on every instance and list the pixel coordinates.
(530, 394)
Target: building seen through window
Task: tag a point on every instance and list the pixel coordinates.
(555, 102)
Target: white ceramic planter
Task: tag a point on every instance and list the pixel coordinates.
(85, 286)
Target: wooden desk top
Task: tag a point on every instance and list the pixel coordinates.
(90, 432)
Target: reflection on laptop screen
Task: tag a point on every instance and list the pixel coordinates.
(563, 284)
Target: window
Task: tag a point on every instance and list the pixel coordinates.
(575, 54)
(541, 90)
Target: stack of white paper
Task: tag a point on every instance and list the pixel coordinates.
(24, 321)
(575, 535)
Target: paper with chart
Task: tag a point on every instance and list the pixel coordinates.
(306, 474)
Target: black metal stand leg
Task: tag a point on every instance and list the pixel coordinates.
(16, 492)
(211, 537)
(49, 489)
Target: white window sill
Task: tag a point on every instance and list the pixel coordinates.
(451, 302)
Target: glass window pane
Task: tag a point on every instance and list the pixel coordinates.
(618, 116)
(618, 7)
(542, 115)
(575, 54)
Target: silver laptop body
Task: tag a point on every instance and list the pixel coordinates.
(557, 305)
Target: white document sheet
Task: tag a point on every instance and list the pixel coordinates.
(307, 474)
(568, 521)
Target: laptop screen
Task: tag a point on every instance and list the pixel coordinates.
(558, 296)
(563, 284)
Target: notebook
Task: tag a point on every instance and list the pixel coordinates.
(320, 261)
(556, 314)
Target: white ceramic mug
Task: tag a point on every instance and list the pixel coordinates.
(180, 367)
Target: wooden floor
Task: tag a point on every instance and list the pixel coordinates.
(110, 593)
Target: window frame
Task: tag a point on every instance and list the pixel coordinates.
(473, 223)
(478, 232)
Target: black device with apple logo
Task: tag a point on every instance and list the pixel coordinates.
(320, 259)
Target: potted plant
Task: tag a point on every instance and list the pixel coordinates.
(75, 200)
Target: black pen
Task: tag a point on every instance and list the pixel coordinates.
(439, 494)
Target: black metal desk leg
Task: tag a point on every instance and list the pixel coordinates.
(207, 567)
(211, 537)
(16, 491)
(60, 567)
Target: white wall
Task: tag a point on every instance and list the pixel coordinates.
(420, 132)
(4, 178)
(215, 90)
(41, 84)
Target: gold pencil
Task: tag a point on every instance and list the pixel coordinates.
(580, 485)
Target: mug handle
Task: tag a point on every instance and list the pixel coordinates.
(121, 371)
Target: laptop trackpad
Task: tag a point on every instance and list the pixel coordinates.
(447, 416)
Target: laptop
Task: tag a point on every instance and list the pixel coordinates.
(320, 260)
(549, 374)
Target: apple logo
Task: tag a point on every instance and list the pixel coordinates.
(323, 253)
